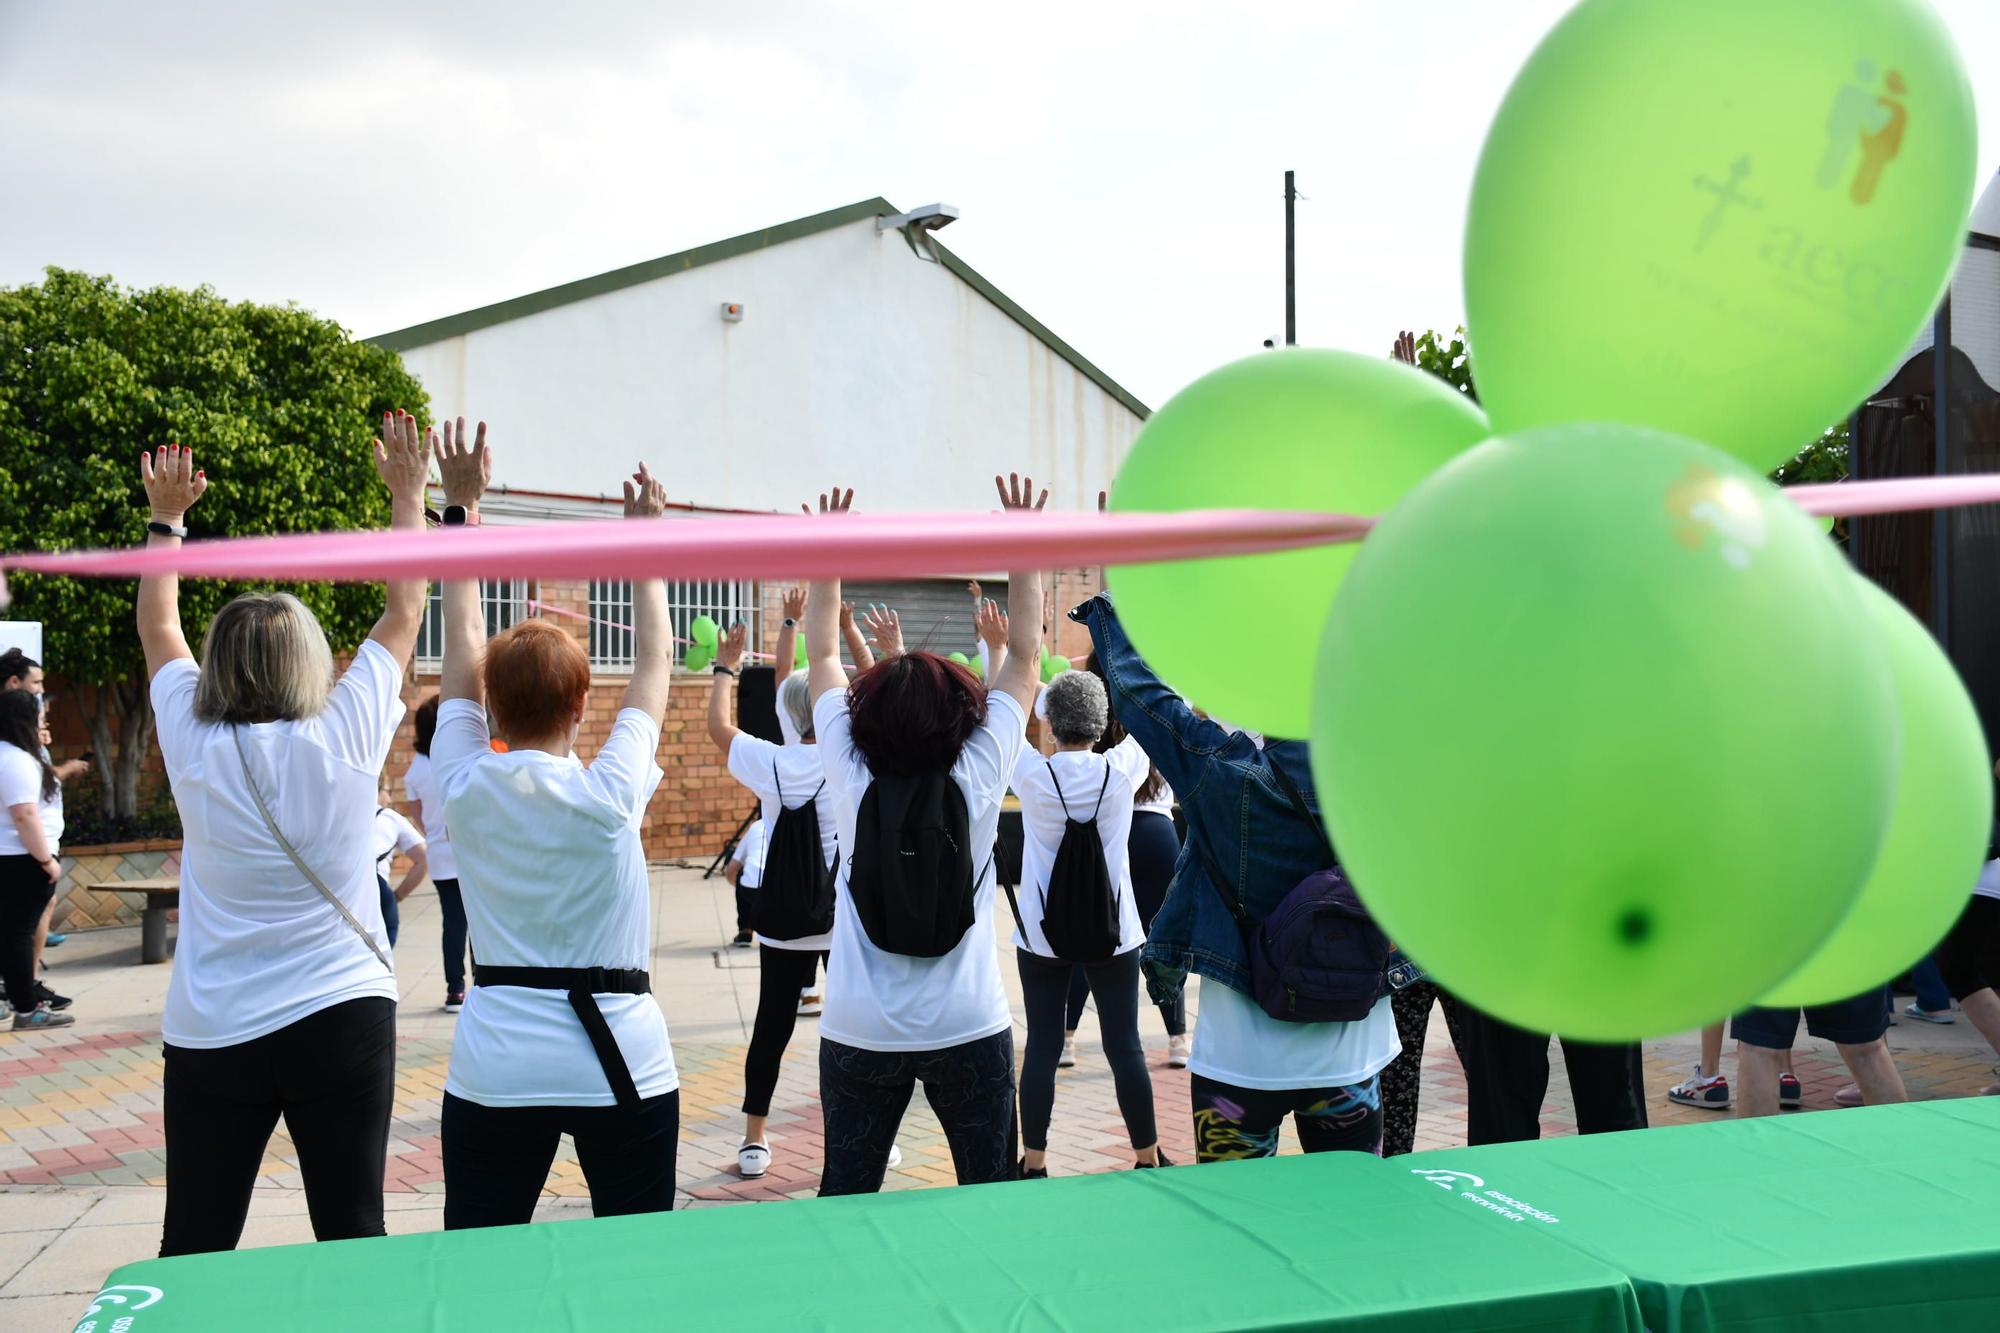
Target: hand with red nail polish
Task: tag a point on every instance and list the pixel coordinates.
(172, 482)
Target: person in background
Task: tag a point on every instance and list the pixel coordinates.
(18, 671)
(561, 1034)
(1708, 1088)
(29, 868)
(1248, 1070)
(283, 998)
(894, 1020)
(394, 833)
(1402, 1079)
(1857, 1028)
(745, 871)
(421, 787)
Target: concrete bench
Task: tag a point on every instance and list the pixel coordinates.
(163, 895)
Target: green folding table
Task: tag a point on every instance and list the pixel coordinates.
(1885, 1218)
(1338, 1241)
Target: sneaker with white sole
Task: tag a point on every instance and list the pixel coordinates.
(1791, 1095)
(1177, 1052)
(1067, 1060)
(1923, 1015)
(753, 1160)
(454, 1000)
(808, 1006)
(895, 1157)
(1710, 1092)
(40, 1019)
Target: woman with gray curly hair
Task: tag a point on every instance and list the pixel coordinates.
(1069, 788)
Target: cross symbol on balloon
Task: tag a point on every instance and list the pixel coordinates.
(1726, 193)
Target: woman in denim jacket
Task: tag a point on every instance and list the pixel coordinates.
(1248, 1069)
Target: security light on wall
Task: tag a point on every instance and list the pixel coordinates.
(732, 312)
(918, 224)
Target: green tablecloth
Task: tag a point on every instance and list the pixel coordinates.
(1337, 1241)
(1886, 1218)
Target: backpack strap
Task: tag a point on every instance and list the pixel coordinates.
(1102, 787)
(1298, 804)
(778, 782)
(1062, 799)
(1223, 888)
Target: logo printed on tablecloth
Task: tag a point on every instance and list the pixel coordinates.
(1494, 1201)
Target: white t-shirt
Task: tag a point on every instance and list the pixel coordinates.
(420, 785)
(1117, 773)
(749, 854)
(889, 1002)
(393, 834)
(21, 784)
(259, 947)
(767, 769)
(1236, 1042)
(553, 875)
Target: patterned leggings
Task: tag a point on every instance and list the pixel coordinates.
(1232, 1123)
(863, 1095)
(1402, 1081)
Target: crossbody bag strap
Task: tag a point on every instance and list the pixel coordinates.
(298, 862)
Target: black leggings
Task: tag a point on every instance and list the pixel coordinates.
(451, 907)
(1115, 983)
(1507, 1076)
(784, 973)
(1152, 848)
(863, 1095)
(331, 1075)
(24, 892)
(392, 918)
(496, 1158)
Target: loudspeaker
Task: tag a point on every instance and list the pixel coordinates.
(757, 703)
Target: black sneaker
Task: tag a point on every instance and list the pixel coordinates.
(1148, 1166)
(1033, 1173)
(50, 998)
(744, 939)
(454, 1000)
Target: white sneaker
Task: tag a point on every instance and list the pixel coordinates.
(753, 1160)
(1177, 1052)
(895, 1157)
(1067, 1060)
(808, 1006)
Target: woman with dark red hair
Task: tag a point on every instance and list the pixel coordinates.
(917, 754)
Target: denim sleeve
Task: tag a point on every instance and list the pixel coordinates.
(1178, 741)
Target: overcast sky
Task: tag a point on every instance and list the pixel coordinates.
(1119, 165)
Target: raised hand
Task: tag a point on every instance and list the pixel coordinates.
(729, 652)
(645, 495)
(833, 502)
(885, 627)
(172, 482)
(1016, 492)
(794, 602)
(1404, 349)
(465, 463)
(990, 623)
(972, 586)
(403, 458)
(846, 616)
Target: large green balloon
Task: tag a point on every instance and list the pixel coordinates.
(1725, 218)
(1937, 827)
(1557, 737)
(1293, 429)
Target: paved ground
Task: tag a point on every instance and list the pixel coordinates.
(81, 1165)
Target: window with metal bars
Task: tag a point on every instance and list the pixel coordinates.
(725, 602)
(505, 602)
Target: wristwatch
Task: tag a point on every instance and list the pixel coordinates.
(721, 670)
(791, 623)
(166, 529)
(458, 516)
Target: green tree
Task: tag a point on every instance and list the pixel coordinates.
(279, 407)
(1448, 360)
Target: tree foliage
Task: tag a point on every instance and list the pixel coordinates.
(279, 407)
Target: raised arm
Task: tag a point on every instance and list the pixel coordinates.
(466, 466)
(788, 633)
(1176, 738)
(991, 623)
(728, 662)
(173, 484)
(857, 646)
(823, 615)
(652, 629)
(403, 461)
(887, 628)
(1015, 677)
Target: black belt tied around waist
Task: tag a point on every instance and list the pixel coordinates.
(584, 985)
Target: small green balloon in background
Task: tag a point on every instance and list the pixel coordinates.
(1718, 218)
(1300, 428)
(1551, 739)
(698, 656)
(1938, 826)
(799, 652)
(705, 632)
(959, 658)
(1053, 664)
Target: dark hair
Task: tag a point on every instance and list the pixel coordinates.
(911, 714)
(1115, 734)
(21, 727)
(427, 724)
(16, 664)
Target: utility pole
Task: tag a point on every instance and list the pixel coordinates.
(1291, 281)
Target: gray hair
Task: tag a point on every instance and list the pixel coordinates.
(264, 659)
(796, 699)
(1078, 708)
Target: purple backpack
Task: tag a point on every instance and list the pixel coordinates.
(1318, 957)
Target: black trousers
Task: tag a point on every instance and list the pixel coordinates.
(451, 907)
(24, 891)
(864, 1094)
(783, 973)
(746, 905)
(331, 1075)
(1507, 1076)
(1115, 983)
(1152, 848)
(496, 1158)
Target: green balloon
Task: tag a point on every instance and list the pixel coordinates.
(704, 631)
(1293, 429)
(698, 656)
(1053, 665)
(1938, 825)
(799, 652)
(1718, 218)
(1553, 740)
(959, 658)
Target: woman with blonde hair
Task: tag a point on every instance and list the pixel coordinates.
(283, 1000)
